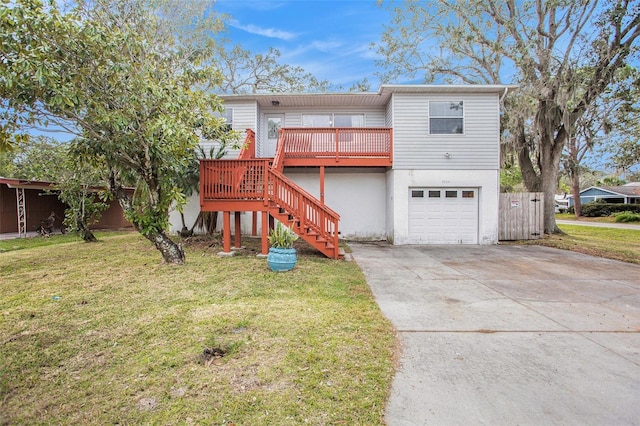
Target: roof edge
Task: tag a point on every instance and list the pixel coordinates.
(387, 89)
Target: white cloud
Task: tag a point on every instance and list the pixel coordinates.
(326, 46)
(266, 32)
(262, 6)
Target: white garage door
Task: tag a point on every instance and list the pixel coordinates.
(443, 216)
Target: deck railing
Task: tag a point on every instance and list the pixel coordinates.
(233, 179)
(303, 206)
(306, 142)
(248, 150)
(251, 180)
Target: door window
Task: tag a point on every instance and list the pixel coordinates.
(274, 124)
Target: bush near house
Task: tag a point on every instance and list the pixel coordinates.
(602, 208)
(626, 217)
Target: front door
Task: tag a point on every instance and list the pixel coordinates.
(273, 123)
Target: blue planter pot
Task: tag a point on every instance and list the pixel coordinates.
(282, 259)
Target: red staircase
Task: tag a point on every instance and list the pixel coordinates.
(232, 184)
(307, 217)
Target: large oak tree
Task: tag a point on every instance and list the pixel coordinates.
(563, 54)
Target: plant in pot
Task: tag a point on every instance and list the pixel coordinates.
(282, 256)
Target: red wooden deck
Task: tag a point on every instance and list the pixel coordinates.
(258, 185)
(346, 147)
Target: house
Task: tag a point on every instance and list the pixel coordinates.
(25, 203)
(411, 164)
(561, 202)
(625, 194)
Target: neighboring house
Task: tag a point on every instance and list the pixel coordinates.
(25, 203)
(561, 202)
(411, 164)
(626, 194)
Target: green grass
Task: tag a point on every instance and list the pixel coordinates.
(54, 239)
(617, 244)
(571, 216)
(103, 333)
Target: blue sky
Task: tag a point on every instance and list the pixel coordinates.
(328, 38)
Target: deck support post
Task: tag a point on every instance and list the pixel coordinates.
(254, 224)
(238, 242)
(322, 185)
(226, 232)
(265, 233)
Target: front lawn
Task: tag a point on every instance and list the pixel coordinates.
(611, 243)
(571, 216)
(103, 333)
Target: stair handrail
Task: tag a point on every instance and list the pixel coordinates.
(298, 188)
(327, 215)
(278, 160)
(248, 151)
(325, 221)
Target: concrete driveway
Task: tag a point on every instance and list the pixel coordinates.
(508, 335)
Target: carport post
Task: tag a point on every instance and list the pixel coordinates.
(22, 212)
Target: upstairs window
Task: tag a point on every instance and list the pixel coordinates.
(333, 120)
(348, 120)
(446, 118)
(316, 120)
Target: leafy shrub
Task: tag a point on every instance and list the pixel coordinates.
(625, 217)
(282, 237)
(601, 208)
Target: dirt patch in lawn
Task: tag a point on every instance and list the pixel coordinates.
(251, 246)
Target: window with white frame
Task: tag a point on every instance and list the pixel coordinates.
(227, 114)
(348, 120)
(316, 120)
(333, 120)
(446, 118)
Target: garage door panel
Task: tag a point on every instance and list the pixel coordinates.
(443, 216)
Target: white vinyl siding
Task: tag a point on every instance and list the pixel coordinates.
(415, 148)
(244, 117)
(388, 115)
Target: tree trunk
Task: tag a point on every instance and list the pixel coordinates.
(172, 253)
(575, 191)
(185, 232)
(546, 178)
(549, 185)
(86, 233)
